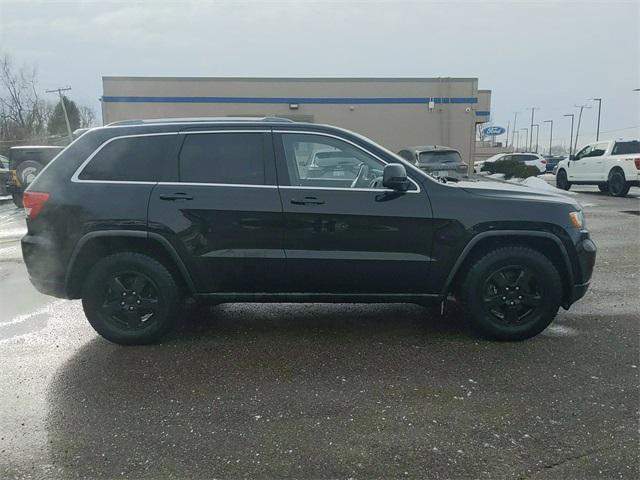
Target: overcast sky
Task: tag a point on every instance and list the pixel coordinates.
(551, 55)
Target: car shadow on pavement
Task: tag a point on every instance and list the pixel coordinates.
(290, 390)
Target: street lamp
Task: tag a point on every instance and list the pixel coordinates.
(599, 100)
(533, 109)
(550, 133)
(516, 139)
(571, 137)
(582, 107)
(537, 125)
(526, 137)
(515, 120)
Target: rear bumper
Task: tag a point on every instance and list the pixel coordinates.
(43, 265)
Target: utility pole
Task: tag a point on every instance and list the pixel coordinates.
(550, 133)
(571, 137)
(537, 125)
(507, 140)
(515, 120)
(582, 107)
(516, 136)
(64, 108)
(533, 109)
(526, 137)
(599, 100)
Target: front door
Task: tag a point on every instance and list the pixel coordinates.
(578, 169)
(224, 215)
(344, 233)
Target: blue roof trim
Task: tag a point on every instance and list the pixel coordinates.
(299, 100)
(482, 112)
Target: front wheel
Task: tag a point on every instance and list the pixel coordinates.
(562, 182)
(603, 187)
(618, 185)
(131, 299)
(512, 293)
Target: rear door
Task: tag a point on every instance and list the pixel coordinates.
(344, 233)
(223, 214)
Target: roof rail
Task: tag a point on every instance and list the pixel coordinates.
(152, 121)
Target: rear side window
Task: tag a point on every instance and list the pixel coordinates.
(236, 158)
(626, 148)
(134, 159)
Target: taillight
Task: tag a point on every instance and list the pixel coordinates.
(33, 202)
(544, 162)
(637, 162)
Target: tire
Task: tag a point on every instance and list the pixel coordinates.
(27, 171)
(17, 199)
(118, 312)
(618, 185)
(561, 180)
(603, 187)
(493, 290)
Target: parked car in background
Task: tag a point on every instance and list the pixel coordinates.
(25, 163)
(4, 174)
(552, 161)
(531, 159)
(614, 166)
(436, 160)
(134, 217)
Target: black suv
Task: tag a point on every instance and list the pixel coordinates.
(136, 216)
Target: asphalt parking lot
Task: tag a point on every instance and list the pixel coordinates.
(318, 391)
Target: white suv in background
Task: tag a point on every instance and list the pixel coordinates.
(531, 159)
(614, 166)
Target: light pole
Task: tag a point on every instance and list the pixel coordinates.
(533, 109)
(507, 139)
(599, 100)
(571, 137)
(550, 133)
(582, 107)
(526, 137)
(537, 125)
(64, 108)
(516, 136)
(515, 120)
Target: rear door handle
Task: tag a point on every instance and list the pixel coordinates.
(307, 201)
(175, 196)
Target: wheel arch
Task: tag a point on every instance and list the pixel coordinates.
(544, 242)
(98, 244)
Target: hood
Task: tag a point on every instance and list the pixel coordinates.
(509, 191)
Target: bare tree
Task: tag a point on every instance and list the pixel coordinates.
(87, 117)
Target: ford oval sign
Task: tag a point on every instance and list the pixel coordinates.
(493, 131)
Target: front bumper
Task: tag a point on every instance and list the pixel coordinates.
(586, 258)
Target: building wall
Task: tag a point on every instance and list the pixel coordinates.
(394, 112)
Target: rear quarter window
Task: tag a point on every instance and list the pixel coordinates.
(135, 159)
(626, 148)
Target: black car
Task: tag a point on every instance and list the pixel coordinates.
(436, 160)
(134, 217)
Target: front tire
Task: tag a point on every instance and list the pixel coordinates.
(562, 182)
(512, 293)
(131, 299)
(618, 185)
(603, 187)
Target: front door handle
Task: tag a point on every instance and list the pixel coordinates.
(307, 201)
(175, 196)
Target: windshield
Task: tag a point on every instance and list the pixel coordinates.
(625, 148)
(446, 156)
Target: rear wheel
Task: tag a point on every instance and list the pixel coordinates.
(512, 293)
(618, 185)
(561, 180)
(131, 299)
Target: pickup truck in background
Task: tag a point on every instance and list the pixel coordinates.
(24, 165)
(614, 166)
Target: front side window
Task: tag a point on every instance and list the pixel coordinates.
(599, 149)
(317, 160)
(139, 159)
(228, 158)
(585, 152)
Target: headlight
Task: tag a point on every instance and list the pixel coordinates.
(577, 219)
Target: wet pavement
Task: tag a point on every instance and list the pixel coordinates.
(317, 391)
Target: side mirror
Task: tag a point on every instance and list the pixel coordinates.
(394, 176)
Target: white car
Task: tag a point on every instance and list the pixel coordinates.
(614, 166)
(531, 159)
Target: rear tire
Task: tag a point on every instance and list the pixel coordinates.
(27, 171)
(511, 293)
(131, 299)
(618, 185)
(562, 182)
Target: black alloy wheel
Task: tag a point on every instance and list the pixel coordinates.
(618, 186)
(130, 301)
(561, 180)
(512, 295)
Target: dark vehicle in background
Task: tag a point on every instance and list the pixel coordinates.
(436, 160)
(552, 162)
(25, 163)
(135, 217)
(4, 174)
